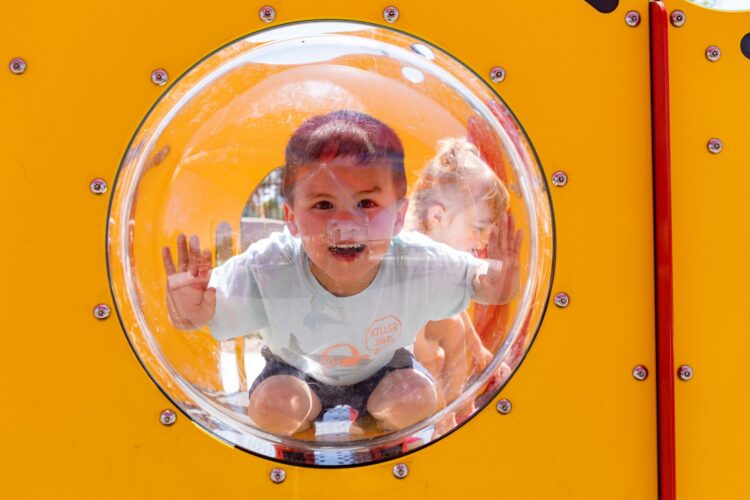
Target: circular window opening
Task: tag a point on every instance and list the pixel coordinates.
(330, 243)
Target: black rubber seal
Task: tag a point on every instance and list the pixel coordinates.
(745, 45)
(603, 6)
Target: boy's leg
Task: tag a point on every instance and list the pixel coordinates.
(281, 399)
(402, 398)
(283, 404)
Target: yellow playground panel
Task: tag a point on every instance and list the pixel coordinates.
(84, 415)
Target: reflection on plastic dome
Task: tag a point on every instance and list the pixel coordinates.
(329, 247)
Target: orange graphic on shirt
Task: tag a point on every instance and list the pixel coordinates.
(345, 355)
(383, 332)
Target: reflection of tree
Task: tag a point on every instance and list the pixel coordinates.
(266, 200)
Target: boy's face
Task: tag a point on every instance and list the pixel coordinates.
(346, 216)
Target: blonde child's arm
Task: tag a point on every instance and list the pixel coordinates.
(449, 335)
(190, 302)
(429, 354)
(482, 356)
(501, 281)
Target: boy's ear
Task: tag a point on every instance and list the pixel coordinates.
(291, 221)
(401, 216)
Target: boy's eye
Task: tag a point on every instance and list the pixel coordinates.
(366, 204)
(323, 205)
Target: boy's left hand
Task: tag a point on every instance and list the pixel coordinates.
(503, 278)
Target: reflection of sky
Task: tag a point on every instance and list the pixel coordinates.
(723, 4)
(306, 94)
(412, 74)
(305, 55)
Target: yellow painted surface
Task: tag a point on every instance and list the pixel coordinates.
(81, 415)
(711, 233)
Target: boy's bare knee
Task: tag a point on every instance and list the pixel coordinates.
(283, 404)
(402, 398)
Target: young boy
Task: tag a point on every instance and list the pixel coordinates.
(340, 293)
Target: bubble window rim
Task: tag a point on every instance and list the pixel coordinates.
(354, 446)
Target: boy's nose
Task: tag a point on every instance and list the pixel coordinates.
(346, 225)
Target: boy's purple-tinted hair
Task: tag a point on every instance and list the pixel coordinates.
(339, 134)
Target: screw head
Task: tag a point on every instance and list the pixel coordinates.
(562, 300)
(559, 178)
(17, 66)
(102, 311)
(677, 18)
(640, 372)
(400, 471)
(713, 53)
(390, 14)
(167, 417)
(633, 18)
(685, 372)
(278, 475)
(98, 186)
(497, 74)
(504, 406)
(267, 14)
(715, 146)
(159, 77)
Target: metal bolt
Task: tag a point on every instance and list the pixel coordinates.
(159, 77)
(677, 17)
(713, 53)
(715, 146)
(98, 186)
(267, 14)
(633, 18)
(168, 417)
(559, 178)
(640, 372)
(504, 406)
(17, 66)
(685, 372)
(278, 475)
(400, 471)
(497, 74)
(102, 311)
(390, 14)
(562, 299)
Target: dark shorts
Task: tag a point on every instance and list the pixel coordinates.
(355, 395)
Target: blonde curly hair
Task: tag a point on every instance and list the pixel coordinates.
(455, 178)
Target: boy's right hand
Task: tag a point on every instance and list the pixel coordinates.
(191, 304)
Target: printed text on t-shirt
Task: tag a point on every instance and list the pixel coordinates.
(383, 332)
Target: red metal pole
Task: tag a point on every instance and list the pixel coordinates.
(663, 249)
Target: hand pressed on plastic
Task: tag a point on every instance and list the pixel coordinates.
(190, 302)
(503, 278)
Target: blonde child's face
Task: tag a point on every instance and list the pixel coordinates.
(465, 227)
(346, 215)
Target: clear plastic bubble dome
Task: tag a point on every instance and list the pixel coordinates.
(209, 161)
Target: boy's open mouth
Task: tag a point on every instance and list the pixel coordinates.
(347, 249)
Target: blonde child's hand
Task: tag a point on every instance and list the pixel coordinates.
(503, 278)
(190, 302)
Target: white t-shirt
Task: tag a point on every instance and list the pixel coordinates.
(339, 340)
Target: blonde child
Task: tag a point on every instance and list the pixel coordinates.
(458, 200)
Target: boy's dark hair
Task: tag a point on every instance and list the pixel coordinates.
(339, 134)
